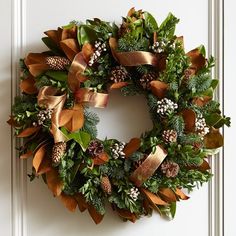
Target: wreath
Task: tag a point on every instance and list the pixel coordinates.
(85, 61)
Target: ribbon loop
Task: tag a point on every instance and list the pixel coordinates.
(47, 97)
(148, 167)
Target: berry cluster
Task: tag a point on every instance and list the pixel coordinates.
(201, 126)
(134, 193)
(117, 150)
(99, 48)
(165, 106)
(43, 116)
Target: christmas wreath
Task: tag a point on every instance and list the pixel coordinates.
(85, 61)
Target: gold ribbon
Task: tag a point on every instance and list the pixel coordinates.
(87, 95)
(135, 58)
(148, 167)
(47, 98)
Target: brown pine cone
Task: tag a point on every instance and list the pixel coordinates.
(169, 136)
(106, 185)
(57, 63)
(58, 151)
(170, 169)
(146, 79)
(95, 148)
(119, 74)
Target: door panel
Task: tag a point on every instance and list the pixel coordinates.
(41, 214)
(46, 215)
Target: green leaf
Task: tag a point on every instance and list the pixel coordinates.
(57, 75)
(52, 46)
(82, 138)
(202, 50)
(150, 22)
(216, 120)
(86, 34)
(214, 83)
(167, 28)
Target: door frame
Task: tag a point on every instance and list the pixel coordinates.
(19, 168)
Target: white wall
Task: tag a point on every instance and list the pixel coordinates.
(230, 110)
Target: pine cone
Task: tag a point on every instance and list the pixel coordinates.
(119, 74)
(57, 63)
(58, 151)
(146, 79)
(170, 169)
(170, 136)
(95, 148)
(106, 185)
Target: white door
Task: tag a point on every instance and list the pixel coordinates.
(29, 209)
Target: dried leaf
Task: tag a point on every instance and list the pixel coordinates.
(201, 101)
(12, 122)
(39, 155)
(213, 139)
(126, 214)
(70, 47)
(118, 85)
(132, 146)
(101, 159)
(159, 88)
(82, 204)
(198, 61)
(26, 155)
(97, 218)
(87, 51)
(189, 117)
(54, 182)
(69, 202)
(45, 166)
(180, 194)
(153, 198)
(72, 119)
(28, 85)
(28, 131)
(167, 194)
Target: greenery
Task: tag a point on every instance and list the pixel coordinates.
(178, 87)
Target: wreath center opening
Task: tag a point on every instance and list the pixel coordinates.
(124, 117)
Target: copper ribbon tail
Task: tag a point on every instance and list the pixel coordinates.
(135, 58)
(88, 96)
(148, 167)
(48, 98)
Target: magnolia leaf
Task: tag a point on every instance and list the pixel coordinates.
(27, 132)
(126, 214)
(87, 51)
(159, 88)
(101, 159)
(201, 101)
(82, 204)
(213, 139)
(97, 218)
(153, 198)
(45, 166)
(132, 146)
(180, 194)
(198, 61)
(150, 22)
(204, 166)
(118, 85)
(69, 202)
(39, 155)
(26, 155)
(189, 117)
(28, 85)
(82, 138)
(54, 182)
(72, 119)
(57, 75)
(167, 194)
(52, 45)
